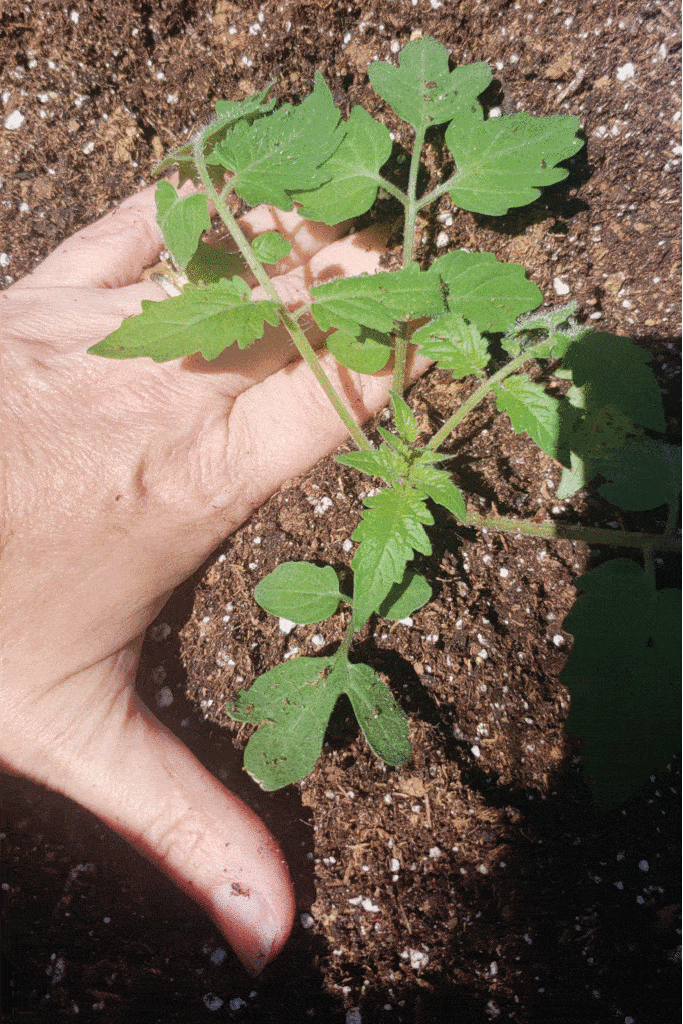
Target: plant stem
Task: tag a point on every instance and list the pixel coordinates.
(587, 534)
(306, 350)
(410, 203)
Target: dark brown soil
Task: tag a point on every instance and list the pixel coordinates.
(479, 882)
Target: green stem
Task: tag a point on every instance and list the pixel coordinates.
(342, 651)
(479, 395)
(306, 350)
(435, 194)
(587, 534)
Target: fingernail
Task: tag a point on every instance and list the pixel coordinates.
(248, 923)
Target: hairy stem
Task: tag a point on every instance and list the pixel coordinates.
(306, 350)
(587, 534)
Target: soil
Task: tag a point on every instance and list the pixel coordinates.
(480, 881)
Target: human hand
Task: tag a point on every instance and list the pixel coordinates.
(120, 479)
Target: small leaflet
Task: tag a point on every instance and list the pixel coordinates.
(454, 344)
(422, 90)
(353, 171)
(299, 591)
(531, 410)
(390, 531)
(505, 161)
(271, 247)
(404, 418)
(182, 221)
(382, 462)
(489, 294)
(363, 353)
(273, 157)
(203, 319)
(405, 597)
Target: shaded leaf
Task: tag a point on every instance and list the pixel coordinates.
(384, 724)
(624, 673)
(405, 597)
(363, 353)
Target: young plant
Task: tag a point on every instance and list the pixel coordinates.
(608, 425)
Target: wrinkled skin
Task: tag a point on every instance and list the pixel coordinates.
(120, 478)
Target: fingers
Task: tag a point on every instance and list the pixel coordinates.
(95, 742)
(110, 253)
(280, 428)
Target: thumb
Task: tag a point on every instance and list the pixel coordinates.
(125, 766)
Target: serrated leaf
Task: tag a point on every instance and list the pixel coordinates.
(454, 344)
(531, 410)
(353, 171)
(405, 597)
(206, 320)
(228, 113)
(384, 724)
(615, 375)
(403, 417)
(381, 462)
(422, 90)
(292, 703)
(624, 673)
(436, 484)
(395, 443)
(390, 531)
(300, 592)
(489, 294)
(363, 353)
(505, 161)
(271, 247)
(376, 301)
(273, 157)
(182, 221)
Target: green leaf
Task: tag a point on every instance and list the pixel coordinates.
(422, 90)
(182, 221)
(390, 531)
(615, 374)
(384, 724)
(531, 409)
(282, 154)
(292, 703)
(206, 320)
(364, 353)
(642, 474)
(382, 462)
(300, 592)
(573, 478)
(489, 294)
(228, 113)
(505, 161)
(403, 417)
(454, 344)
(405, 597)
(353, 171)
(271, 247)
(624, 672)
(436, 484)
(376, 302)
